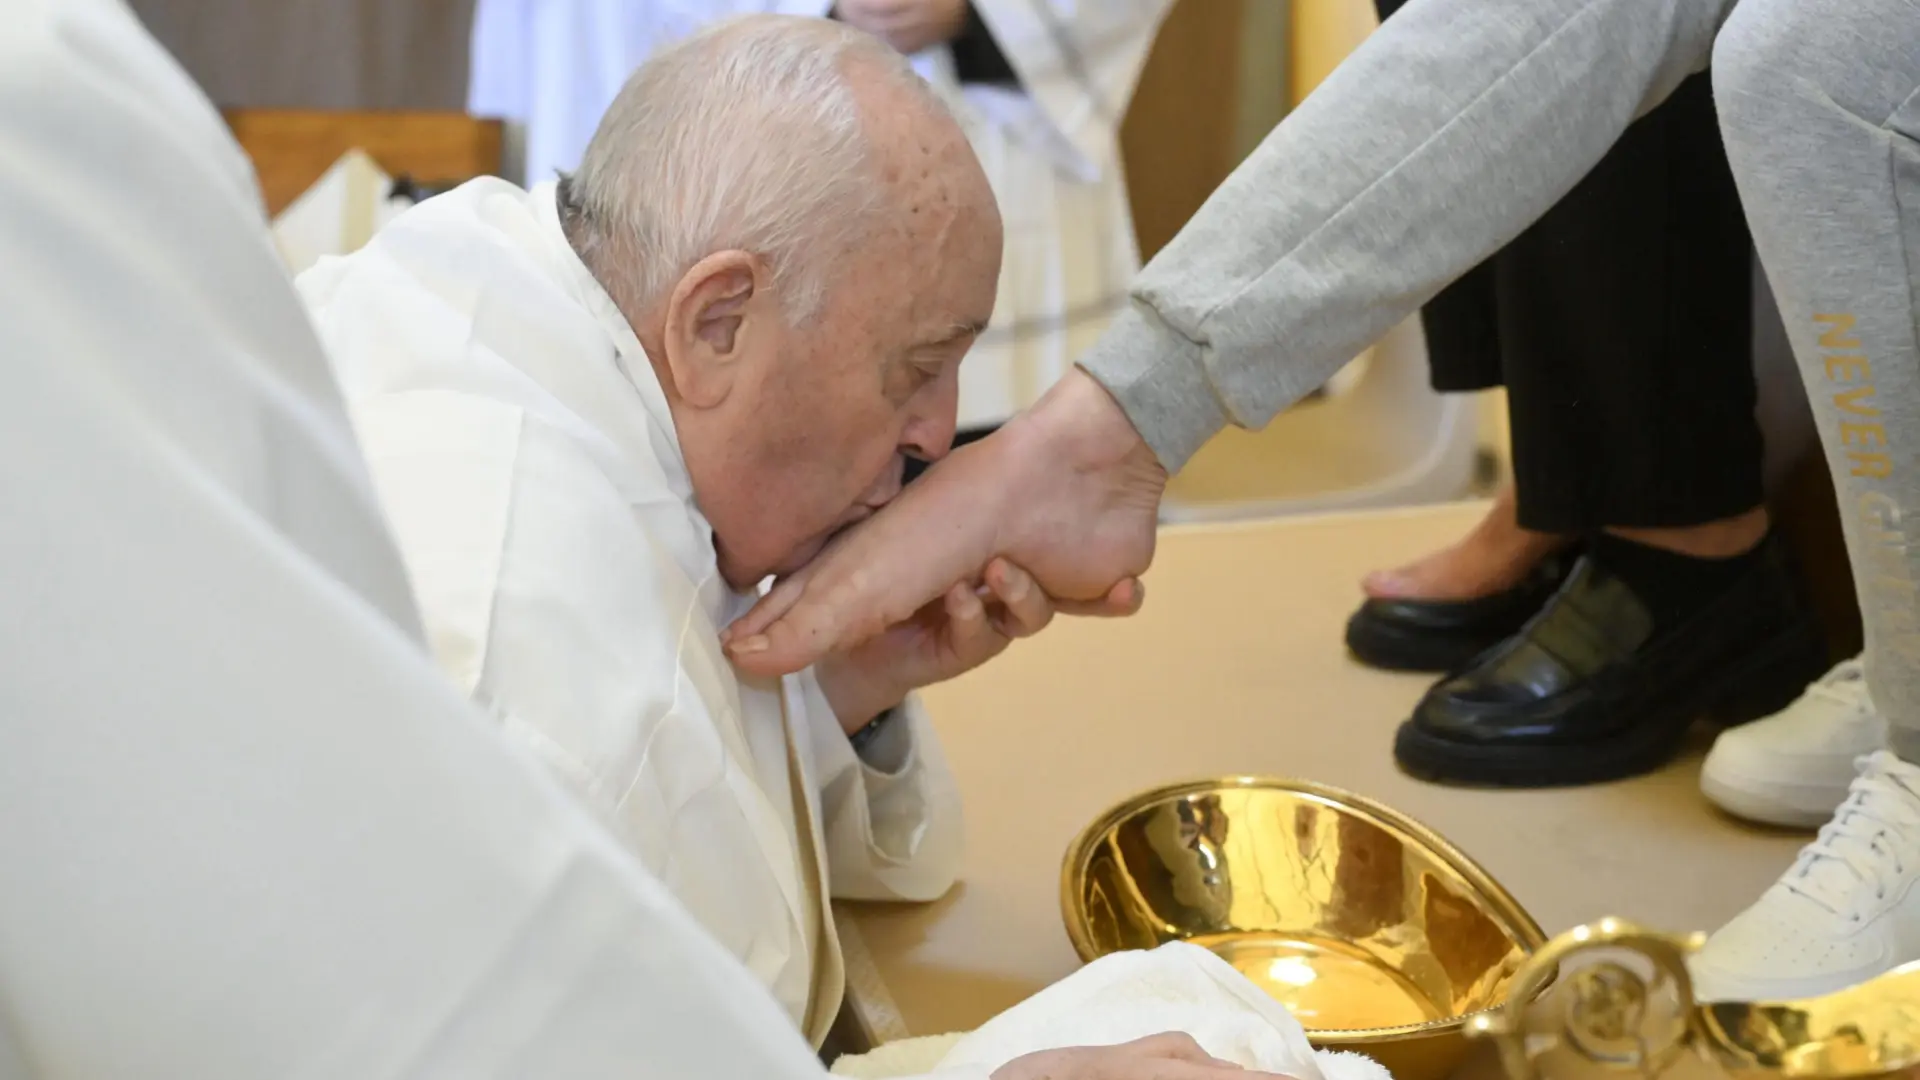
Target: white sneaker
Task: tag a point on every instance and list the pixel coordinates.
(1793, 767)
(1847, 911)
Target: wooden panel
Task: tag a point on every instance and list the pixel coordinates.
(1324, 32)
(293, 148)
(1182, 136)
(1178, 139)
(319, 54)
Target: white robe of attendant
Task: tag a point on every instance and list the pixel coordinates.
(247, 829)
(526, 457)
(1051, 148)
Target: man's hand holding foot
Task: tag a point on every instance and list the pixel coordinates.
(1068, 490)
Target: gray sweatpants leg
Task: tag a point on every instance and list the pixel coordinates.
(1439, 140)
(1819, 101)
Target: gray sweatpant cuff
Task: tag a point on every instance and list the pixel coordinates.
(1158, 377)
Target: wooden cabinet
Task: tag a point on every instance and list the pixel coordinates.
(319, 54)
(1221, 74)
(1179, 135)
(292, 148)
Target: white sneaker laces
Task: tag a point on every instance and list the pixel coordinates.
(1872, 841)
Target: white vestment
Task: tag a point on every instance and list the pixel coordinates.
(525, 454)
(1051, 148)
(247, 830)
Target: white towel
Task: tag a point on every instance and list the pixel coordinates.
(1127, 996)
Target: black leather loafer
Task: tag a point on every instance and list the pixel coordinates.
(1445, 635)
(1588, 692)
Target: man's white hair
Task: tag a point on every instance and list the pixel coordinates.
(748, 136)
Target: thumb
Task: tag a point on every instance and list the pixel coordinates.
(1124, 599)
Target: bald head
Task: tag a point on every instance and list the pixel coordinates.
(797, 139)
(806, 247)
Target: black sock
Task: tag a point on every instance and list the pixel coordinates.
(1672, 585)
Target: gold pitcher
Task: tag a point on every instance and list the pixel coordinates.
(1620, 998)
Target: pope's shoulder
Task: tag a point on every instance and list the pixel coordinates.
(477, 230)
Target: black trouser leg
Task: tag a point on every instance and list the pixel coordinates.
(1620, 324)
(1625, 324)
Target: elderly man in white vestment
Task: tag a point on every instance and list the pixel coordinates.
(600, 412)
(208, 872)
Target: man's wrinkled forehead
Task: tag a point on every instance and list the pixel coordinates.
(938, 230)
(921, 158)
(924, 191)
(940, 273)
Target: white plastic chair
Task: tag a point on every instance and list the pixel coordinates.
(1388, 440)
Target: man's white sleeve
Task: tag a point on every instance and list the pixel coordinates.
(893, 822)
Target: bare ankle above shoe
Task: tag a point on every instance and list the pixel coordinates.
(1722, 539)
(1495, 556)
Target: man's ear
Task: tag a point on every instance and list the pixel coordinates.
(714, 310)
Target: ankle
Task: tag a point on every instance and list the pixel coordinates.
(1470, 569)
(1726, 538)
(1083, 419)
(1539, 545)
(1500, 531)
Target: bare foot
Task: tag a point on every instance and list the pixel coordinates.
(1497, 555)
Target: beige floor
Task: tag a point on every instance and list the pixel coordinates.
(1236, 666)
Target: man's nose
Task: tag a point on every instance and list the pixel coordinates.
(930, 429)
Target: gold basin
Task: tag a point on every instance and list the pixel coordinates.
(1376, 933)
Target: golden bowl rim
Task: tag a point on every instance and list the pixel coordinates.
(1532, 937)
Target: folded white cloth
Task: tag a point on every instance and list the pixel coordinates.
(339, 213)
(1127, 996)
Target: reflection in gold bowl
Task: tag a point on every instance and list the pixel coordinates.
(1376, 933)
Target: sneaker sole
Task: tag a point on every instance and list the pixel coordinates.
(1750, 805)
(1766, 681)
